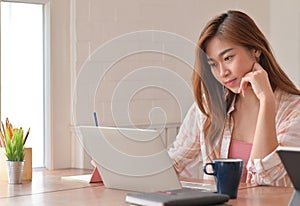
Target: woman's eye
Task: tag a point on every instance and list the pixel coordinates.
(212, 65)
(228, 58)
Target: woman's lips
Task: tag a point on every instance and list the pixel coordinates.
(230, 83)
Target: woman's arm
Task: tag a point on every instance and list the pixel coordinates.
(265, 139)
(186, 148)
(269, 169)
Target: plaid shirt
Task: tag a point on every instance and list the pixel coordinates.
(188, 150)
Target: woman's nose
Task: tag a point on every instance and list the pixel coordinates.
(223, 71)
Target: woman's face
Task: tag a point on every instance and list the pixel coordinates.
(229, 62)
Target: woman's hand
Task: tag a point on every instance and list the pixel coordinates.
(265, 138)
(258, 80)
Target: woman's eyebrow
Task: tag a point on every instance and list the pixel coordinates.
(222, 53)
(225, 51)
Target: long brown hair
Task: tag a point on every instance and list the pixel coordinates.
(212, 98)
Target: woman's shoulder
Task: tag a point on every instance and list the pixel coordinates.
(194, 106)
(279, 93)
(285, 99)
(195, 113)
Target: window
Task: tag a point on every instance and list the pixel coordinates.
(22, 72)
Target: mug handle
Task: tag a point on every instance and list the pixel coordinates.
(205, 171)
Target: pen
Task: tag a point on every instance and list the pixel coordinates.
(2, 144)
(3, 134)
(96, 120)
(26, 135)
(2, 139)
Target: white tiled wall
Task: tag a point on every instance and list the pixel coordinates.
(99, 22)
(79, 27)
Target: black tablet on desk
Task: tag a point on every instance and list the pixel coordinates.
(180, 197)
(290, 157)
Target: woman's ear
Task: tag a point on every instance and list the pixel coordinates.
(257, 54)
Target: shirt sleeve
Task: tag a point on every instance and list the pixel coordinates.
(185, 150)
(270, 170)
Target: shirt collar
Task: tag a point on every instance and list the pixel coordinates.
(231, 108)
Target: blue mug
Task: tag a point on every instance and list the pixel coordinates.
(227, 174)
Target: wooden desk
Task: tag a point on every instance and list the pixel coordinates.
(48, 188)
(263, 195)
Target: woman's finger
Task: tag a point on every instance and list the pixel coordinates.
(243, 85)
(256, 67)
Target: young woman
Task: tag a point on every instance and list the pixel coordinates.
(245, 107)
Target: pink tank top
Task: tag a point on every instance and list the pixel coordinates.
(239, 149)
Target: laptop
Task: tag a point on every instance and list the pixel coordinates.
(290, 157)
(132, 159)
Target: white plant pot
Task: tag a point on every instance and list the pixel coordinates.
(15, 172)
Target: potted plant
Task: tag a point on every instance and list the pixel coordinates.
(13, 140)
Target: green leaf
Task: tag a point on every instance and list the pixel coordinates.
(15, 147)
